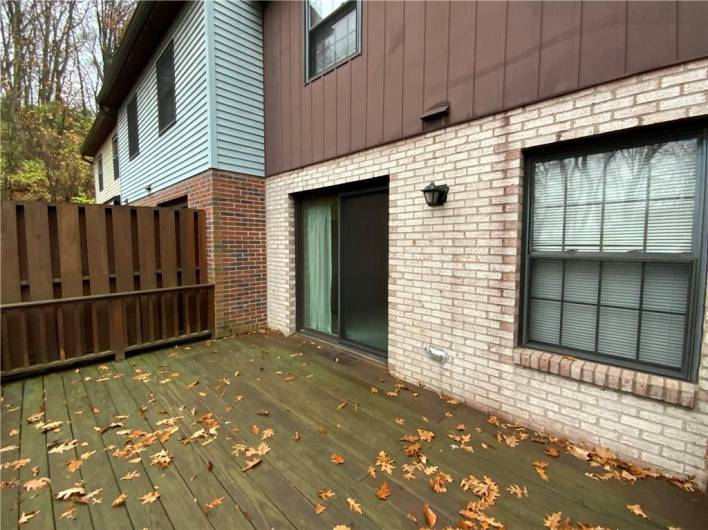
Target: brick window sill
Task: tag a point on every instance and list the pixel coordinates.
(623, 379)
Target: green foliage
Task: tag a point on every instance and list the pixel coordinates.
(40, 152)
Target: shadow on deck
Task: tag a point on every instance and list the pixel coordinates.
(245, 432)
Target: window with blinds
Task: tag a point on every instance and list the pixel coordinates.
(613, 252)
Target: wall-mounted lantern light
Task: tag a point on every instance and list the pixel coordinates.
(435, 194)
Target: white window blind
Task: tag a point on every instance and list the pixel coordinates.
(612, 251)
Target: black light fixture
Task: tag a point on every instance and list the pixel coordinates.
(435, 194)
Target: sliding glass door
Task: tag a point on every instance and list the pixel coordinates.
(343, 265)
(364, 253)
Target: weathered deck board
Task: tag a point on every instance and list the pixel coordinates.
(302, 384)
(153, 516)
(11, 428)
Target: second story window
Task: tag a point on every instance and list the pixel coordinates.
(167, 113)
(332, 33)
(99, 171)
(133, 144)
(114, 149)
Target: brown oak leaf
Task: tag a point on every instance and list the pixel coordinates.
(119, 500)
(353, 505)
(430, 516)
(149, 497)
(383, 492)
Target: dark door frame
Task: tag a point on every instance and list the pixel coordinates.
(373, 185)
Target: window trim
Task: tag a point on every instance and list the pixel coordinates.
(309, 78)
(133, 154)
(164, 128)
(697, 286)
(99, 172)
(116, 161)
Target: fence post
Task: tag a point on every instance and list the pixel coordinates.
(211, 316)
(117, 334)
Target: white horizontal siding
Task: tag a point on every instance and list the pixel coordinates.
(183, 150)
(111, 186)
(238, 78)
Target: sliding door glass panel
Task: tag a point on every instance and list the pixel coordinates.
(319, 226)
(364, 281)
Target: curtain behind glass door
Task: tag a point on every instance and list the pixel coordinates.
(318, 251)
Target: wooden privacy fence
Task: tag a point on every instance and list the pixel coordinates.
(87, 281)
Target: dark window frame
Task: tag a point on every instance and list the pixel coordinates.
(99, 165)
(166, 93)
(337, 13)
(133, 127)
(698, 257)
(114, 152)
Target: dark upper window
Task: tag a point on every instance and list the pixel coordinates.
(614, 260)
(114, 149)
(133, 142)
(332, 30)
(167, 113)
(99, 171)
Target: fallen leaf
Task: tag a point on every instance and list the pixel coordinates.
(337, 459)
(130, 476)
(383, 492)
(119, 500)
(552, 522)
(342, 527)
(10, 448)
(73, 465)
(518, 491)
(319, 508)
(71, 493)
(426, 436)
(69, 514)
(326, 494)
(25, 517)
(67, 445)
(341, 405)
(439, 482)
(296, 436)
(149, 497)
(36, 483)
(353, 505)
(36, 417)
(384, 462)
(161, 459)
(636, 509)
(552, 451)
(430, 516)
(250, 464)
(214, 503)
(540, 468)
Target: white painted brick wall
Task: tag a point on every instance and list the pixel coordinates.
(474, 264)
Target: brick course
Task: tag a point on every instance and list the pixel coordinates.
(236, 252)
(470, 250)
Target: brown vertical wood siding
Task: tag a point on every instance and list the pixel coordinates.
(479, 57)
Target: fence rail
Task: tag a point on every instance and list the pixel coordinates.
(86, 282)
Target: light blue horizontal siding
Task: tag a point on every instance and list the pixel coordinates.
(111, 185)
(238, 86)
(183, 150)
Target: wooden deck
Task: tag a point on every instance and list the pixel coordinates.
(289, 408)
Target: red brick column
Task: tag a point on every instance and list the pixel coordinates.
(236, 242)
